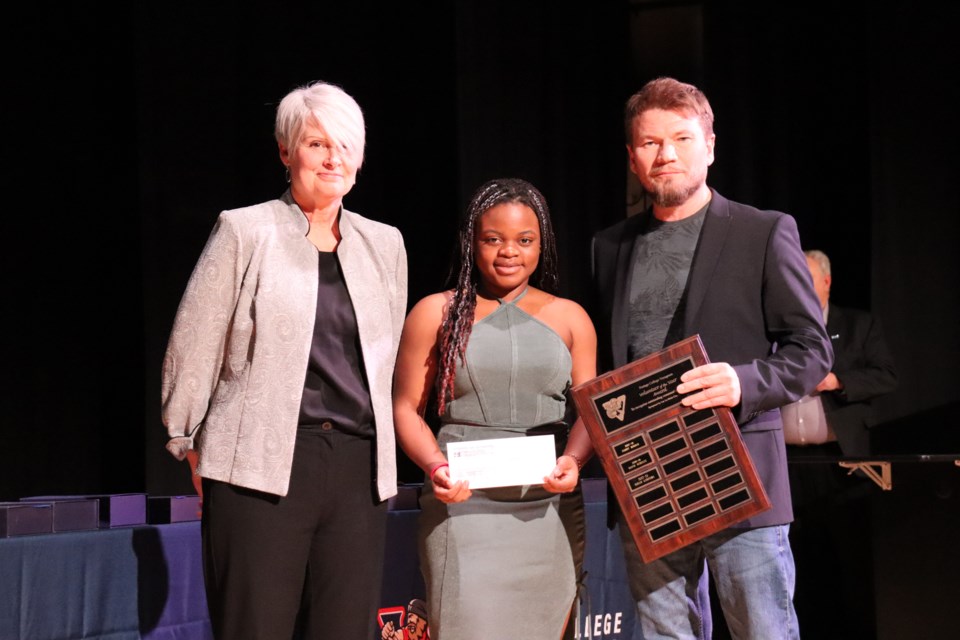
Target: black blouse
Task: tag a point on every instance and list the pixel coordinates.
(335, 392)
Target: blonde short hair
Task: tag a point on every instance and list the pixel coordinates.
(328, 106)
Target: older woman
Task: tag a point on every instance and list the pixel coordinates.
(277, 386)
(500, 355)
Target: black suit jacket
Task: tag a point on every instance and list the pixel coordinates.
(750, 298)
(863, 364)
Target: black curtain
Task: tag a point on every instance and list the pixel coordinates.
(129, 130)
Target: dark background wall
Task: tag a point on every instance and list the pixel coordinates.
(128, 131)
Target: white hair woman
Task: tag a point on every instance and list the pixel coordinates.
(277, 388)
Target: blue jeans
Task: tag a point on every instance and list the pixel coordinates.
(753, 574)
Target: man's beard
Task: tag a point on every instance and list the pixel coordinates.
(674, 194)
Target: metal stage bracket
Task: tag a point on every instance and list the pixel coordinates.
(878, 471)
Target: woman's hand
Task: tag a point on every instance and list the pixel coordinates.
(564, 477)
(446, 491)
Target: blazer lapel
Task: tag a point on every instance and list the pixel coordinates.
(835, 321)
(716, 225)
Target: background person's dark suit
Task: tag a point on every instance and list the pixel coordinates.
(862, 362)
(748, 290)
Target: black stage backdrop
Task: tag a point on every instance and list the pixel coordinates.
(127, 131)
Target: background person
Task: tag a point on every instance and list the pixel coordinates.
(500, 351)
(840, 410)
(697, 263)
(278, 376)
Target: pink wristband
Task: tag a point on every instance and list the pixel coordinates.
(437, 468)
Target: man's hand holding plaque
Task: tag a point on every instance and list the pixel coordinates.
(717, 383)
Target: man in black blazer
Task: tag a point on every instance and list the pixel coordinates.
(863, 370)
(697, 263)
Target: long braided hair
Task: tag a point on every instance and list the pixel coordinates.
(464, 277)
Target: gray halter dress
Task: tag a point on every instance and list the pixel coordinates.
(504, 563)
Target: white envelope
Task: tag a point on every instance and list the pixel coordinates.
(502, 462)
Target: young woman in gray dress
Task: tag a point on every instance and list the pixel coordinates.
(497, 355)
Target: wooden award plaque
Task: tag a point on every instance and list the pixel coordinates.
(679, 474)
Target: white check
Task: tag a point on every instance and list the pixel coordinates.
(502, 462)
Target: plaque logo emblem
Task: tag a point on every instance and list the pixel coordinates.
(614, 407)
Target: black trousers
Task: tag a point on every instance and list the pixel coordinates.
(308, 563)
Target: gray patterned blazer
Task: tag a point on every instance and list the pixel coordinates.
(237, 357)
